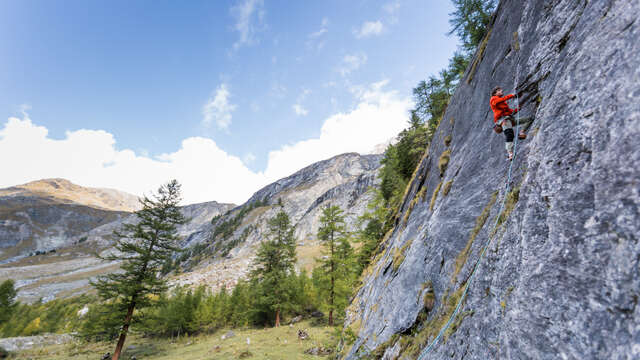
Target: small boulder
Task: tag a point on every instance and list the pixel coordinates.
(296, 319)
(303, 335)
(82, 312)
(228, 335)
(106, 356)
(317, 314)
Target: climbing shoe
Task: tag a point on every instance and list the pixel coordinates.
(522, 136)
(510, 155)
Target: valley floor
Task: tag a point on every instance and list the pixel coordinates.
(269, 343)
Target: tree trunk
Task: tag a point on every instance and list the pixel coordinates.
(332, 285)
(277, 317)
(123, 333)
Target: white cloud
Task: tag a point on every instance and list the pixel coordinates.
(300, 110)
(315, 40)
(278, 90)
(369, 28)
(351, 63)
(378, 116)
(206, 172)
(248, 158)
(90, 158)
(249, 16)
(391, 9)
(323, 29)
(218, 108)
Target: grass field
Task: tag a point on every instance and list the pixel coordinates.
(269, 343)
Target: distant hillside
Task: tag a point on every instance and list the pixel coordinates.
(66, 192)
(50, 214)
(222, 251)
(47, 240)
(220, 240)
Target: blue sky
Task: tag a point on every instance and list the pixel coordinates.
(250, 80)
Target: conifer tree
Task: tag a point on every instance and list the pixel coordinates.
(338, 262)
(143, 247)
(274, 264)
(470, 21)
(7, 299)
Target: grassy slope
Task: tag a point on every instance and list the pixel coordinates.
(270, 343)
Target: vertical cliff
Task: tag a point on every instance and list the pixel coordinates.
(560, 277)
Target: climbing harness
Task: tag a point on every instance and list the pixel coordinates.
(426, 350)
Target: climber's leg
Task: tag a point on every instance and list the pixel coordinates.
(509, 135)
(525, 122)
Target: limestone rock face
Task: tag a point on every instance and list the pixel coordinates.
(560, 278)
(50, 214)
(343, 180)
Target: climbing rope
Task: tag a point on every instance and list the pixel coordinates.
(435, 341)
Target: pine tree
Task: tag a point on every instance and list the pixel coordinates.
(274, 263)
(7, 300)
(470, 21)
(338, 262)
(143, 248)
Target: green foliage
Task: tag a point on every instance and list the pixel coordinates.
(56, 316)
(368, 237)
(102, 323)
(434, 196)
(337, 271)
(443, 162)
(398, 165)
(229, 226)
(447, 187)
(143, 248)
(470, 21)
(7, 299)
(273, 264)
(181, 312)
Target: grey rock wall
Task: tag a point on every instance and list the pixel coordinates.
(560, 279)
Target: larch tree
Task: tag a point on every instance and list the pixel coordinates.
(142, 247)
(274, 263)
(338, 262)
(7, 299)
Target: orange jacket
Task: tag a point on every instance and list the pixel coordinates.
(500, 107)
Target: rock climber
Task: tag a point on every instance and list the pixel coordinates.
(503, 119)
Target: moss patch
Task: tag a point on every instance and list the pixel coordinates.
(479, 56)
(456, 323)
(447, 140)
(512, 198)
(480, 221)
(434, 196)
(447, 187)
(443, 162)
(399, 255)
(431, 328)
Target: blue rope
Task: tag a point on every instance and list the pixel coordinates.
(435, 341)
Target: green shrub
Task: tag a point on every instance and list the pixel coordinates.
(434, 196)
(443, 162)
(447, 187)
